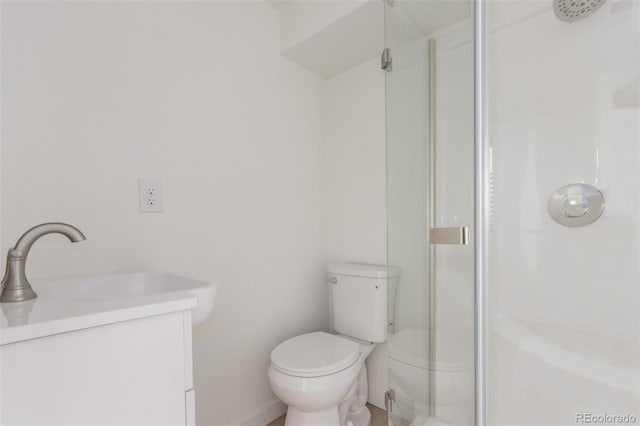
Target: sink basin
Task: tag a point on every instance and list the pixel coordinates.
(118, 286)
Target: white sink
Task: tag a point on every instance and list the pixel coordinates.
(120, 286)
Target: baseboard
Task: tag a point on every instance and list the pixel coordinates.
(376, 396)
(263, 416)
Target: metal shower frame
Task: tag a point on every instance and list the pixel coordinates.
(481, 219)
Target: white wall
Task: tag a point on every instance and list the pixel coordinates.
(355, 118)
(96, 95)
(356, 165)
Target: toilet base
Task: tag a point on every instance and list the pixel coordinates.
(297, 417)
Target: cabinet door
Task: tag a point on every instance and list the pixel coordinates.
(128, 373)
(190, 402)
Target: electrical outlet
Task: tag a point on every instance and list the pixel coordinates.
(150, 195)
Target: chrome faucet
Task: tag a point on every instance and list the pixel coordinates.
(15, 286)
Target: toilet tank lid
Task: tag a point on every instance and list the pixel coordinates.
(364, 270)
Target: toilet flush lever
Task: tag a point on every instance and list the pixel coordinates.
(332, 280)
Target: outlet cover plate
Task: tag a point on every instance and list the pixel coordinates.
(150, 195)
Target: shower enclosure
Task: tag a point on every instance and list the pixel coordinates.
(513, 196)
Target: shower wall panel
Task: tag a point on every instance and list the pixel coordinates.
(564, 303)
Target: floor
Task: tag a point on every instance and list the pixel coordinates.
(378, 417)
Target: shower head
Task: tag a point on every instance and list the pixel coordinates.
(574, 10)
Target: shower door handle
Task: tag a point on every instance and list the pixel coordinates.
(457, 235)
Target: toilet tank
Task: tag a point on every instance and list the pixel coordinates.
(360, 295)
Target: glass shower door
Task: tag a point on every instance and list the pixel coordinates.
(430, 208)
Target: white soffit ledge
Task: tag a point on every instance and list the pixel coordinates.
(278, 4)
(328, 36)
(434, 15)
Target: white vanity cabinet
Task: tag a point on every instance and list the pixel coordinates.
(118, 365)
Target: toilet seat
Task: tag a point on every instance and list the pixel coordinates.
(314, 355)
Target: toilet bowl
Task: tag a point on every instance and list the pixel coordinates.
(322, 377)
(316, 375)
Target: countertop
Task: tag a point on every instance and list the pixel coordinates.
(46, 315)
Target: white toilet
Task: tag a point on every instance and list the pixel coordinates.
(322, 377)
